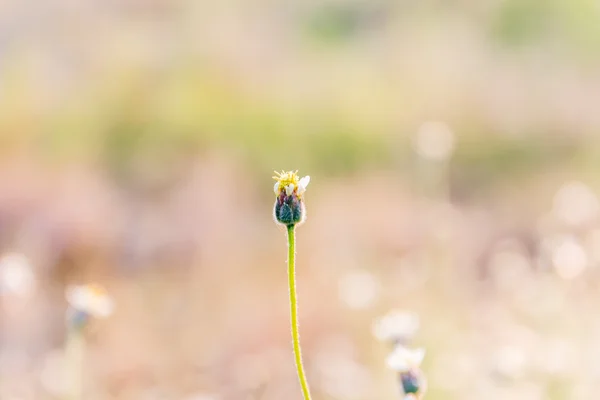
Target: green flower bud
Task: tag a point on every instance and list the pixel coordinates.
(289, 204)
(413, 382)
(407, 362)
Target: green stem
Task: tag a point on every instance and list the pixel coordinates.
(74, 354)
(294, 310)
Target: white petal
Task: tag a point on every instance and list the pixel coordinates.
(403, 359)
(303, 183)
(417, 356)
(397, 362)
(77, 296)
(289, 189)
(276, 187)
(85, 299)
(102, 307)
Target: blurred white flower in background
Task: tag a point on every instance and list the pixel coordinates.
(397, 325)
(403, 359)
(359, 289)
(434, 141)
(510, 361)
(90, 299)
(569, 257)
(575, 204)
(16, 275)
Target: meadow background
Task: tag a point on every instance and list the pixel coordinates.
(454, 153)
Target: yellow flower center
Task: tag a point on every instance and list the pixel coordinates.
(286, 178)
(97, 291)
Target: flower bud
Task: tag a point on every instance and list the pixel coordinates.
(289, 204)
(413, 382)
(86, 302)
(407, 363)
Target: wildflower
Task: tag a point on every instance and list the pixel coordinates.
(87, 301)
(289, 204)
(407, 363)
(434, 141)
(289, 210)
(576, 204)
(403, 359)
(397, 326)
(569, 258)
(16, 275)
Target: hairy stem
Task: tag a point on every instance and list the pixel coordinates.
(294, 310)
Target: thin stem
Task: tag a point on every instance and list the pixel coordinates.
(74, 354)
(294, 310)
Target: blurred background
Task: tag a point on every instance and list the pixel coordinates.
(453, 148)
